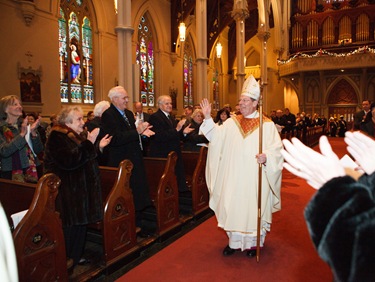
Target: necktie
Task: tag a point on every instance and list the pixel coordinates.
(126, 119)
(170, 119)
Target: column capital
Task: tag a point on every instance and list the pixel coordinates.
(242, 74)
(263, 35)
(240, 14)
(240, 10)
(201, 59)
(124, 28)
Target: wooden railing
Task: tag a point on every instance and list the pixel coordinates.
(309, 136)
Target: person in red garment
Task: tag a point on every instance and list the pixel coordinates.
(341, 215)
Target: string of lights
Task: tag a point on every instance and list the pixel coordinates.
(321, 52)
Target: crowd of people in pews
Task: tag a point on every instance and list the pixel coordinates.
(287, 122)
(73, 149)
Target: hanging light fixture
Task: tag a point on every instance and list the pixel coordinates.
(182, 31)
(116, 6)
(219, 47)
(182, 27)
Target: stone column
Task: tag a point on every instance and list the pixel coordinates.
(124, 32)
(201, 26)
(240, 13)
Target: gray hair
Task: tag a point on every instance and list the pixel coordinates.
(100, 108)
(162, 98)
(115, 92)
(66, 114)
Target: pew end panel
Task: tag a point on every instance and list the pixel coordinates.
(119, 231)
(38, 238)
(200, 195)
(195, 171)
(11, 204)
(164, 190)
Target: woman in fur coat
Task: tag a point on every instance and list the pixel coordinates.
(71, 155)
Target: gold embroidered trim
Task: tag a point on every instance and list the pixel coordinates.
(248, 125)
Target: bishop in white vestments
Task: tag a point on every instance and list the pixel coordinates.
(232, 171)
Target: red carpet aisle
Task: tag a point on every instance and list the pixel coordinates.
(288, 254)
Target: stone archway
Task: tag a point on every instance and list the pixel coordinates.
(342, 100)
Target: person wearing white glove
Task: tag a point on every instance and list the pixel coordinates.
(310, 165)
(341, 215)
(362, 148)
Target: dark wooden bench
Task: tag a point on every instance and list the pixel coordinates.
(195, 173)
(117, 228)
(163, 190)
(118, 225)
(38, 238)
(313, 134)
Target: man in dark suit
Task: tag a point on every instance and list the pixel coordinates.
(119, 123)
(280, 120)
(167, 137)
(290, 120)
(360, 116)
(368, 125)
(139, 113)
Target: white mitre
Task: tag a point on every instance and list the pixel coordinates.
(251, 88)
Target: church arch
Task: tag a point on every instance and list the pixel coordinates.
(342, 99)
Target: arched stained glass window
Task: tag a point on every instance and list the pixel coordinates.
(76, 53)
(188, 76)
(145, 60)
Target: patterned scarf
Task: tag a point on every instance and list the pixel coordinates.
(19, 174)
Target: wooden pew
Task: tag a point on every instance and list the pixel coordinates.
(38, 238)
(118, 225)
(195, 172)
(117, 228)
(164, 190)
(24, 194)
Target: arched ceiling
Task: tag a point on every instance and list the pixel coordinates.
(215, 27)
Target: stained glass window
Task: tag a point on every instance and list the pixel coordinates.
(145, 61)
(75, 52)
(188, 76)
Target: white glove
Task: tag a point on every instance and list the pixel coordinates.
(308, 164)
(362, 148)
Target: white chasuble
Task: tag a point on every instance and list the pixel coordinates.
(232, 172)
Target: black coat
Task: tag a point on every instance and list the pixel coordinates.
(193, 138)
(290, 122)
(96, 122)
(125, 145)
(73, 159)
(342, 127)
(341, 222)
(368, 128)
(165, 140)
(359, 117)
